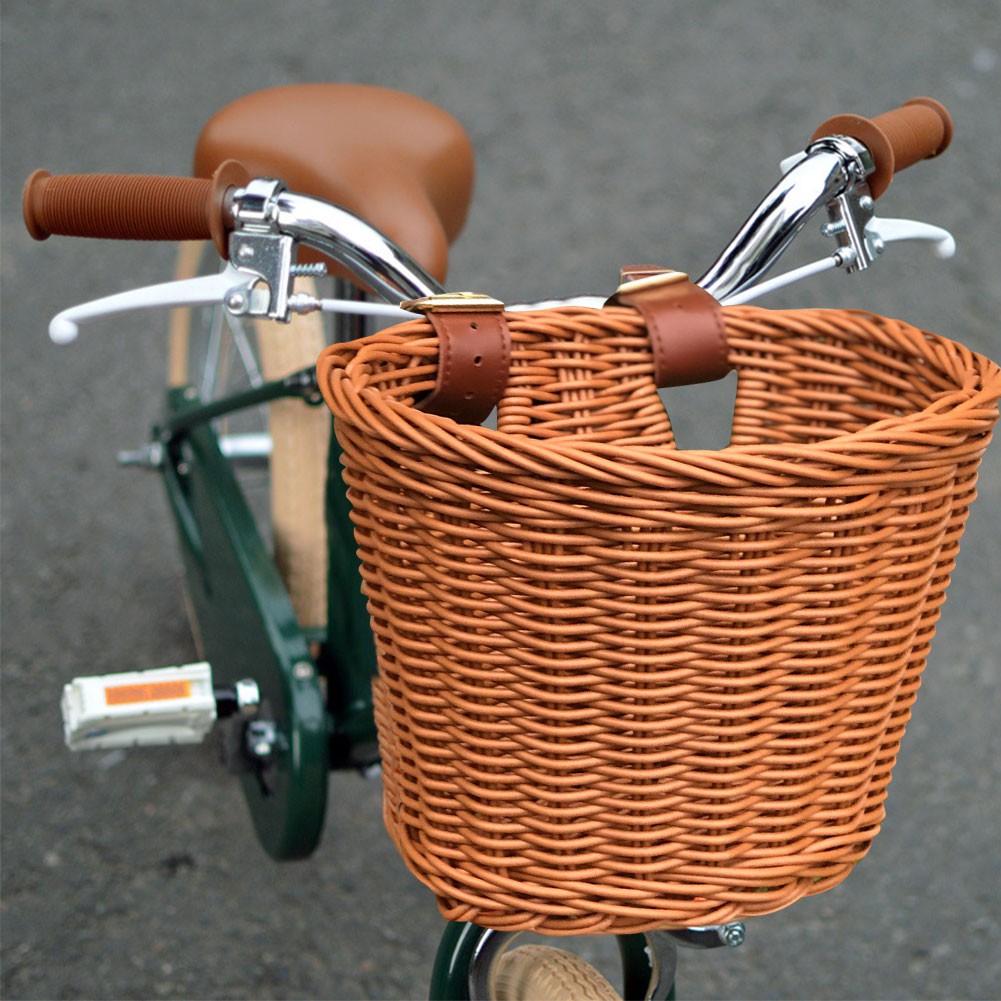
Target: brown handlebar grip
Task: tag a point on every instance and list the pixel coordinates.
(132, 206)
(917, 130)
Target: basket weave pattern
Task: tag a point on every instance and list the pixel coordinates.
(624, 685)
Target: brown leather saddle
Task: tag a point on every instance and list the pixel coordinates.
(399, 162)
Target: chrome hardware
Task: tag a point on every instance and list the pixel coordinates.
(488, 950)
(261, 736)
(246, 446)
(267, 257)
(249, 739)
(317, 270)
(733, 934)
(856, 157)
(254, 206)
(663, 951)
(850, 213)
(248, 695)
(148, 456)
(303, 302)
(385, 268)
(237, 301)
(663, 955)
(730, 935)
(242, 699)
(259, 248)
(828, 169)
(270, 221)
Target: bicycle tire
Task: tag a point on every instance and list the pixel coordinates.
(542, 973)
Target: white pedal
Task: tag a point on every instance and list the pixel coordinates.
(167, 705)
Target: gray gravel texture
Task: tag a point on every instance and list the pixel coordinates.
(606, 133)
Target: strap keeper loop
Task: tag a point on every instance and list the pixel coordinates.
(685, 324)
(474, 354)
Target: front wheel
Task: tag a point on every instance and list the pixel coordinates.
(542, 973)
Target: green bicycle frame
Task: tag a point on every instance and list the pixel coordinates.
(315, 688)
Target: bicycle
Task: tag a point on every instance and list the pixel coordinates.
(306, 706)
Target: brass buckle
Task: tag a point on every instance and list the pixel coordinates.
(454, 302)
(651, 281)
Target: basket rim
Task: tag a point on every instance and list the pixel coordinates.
(984, 397)
(952, 417)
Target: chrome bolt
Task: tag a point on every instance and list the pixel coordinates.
(317, 270)
(245, 252)
(260, 738)
(248, 695)
(732, 934)
(237, 302)
(150, 456)
(303, 670)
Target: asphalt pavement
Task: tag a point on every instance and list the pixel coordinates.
(606, 133)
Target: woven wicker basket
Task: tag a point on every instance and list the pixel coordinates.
(623, 685)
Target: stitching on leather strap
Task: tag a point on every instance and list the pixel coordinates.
(474, 355)
(685, 324)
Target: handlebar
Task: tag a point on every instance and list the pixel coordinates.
(133, 206)
(847, 151)
(831, 166)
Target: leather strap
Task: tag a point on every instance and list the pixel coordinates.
(474, 355)
(685, 324)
